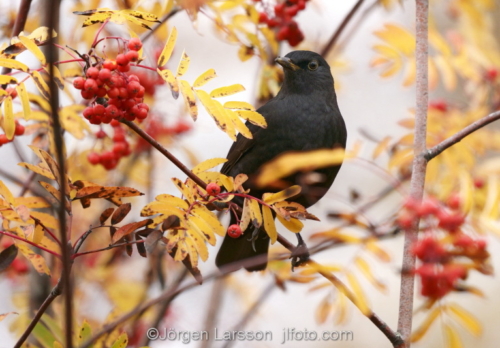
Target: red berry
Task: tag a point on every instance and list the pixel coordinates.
(263, 17)
(123, 92)
(112, 111)
(104, 74)
(213, 189)
(99, 109)
(93, 158)
(478, 183)
(129, 103)
(283, 33)
(118, 137)
(491, 74)
(132, 56)
(87, 94)
(88, 112)
(100, 134)
(123, 68)
(90, 86)
(141, 92)
(3, 139)
(279, 9)
(234, 231)
(113, 92)
(301, 4)
(133, 88)
(12, 92)
(439, 105)
(142, 114)
(122, 59)
(133, 77)
(109, 64)
(428, 206)
(143, 106)
(292, 10)
(115, 123)
(92, 73)
(79, 82)
(19, 129)
(134, 44)
(120, 147)
(454, 201)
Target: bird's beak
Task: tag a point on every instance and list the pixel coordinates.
(287, 63)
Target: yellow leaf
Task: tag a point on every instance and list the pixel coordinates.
(121, 342)
(198, 242)
(6, 79)
(466, 191)
(212, 109)
(163, 208)
(9, 123)
(410, 72)
(225, 91)
(183, 64)
(39, 169)
(238, 124)
(239, 105)
(208, 164)
(204, 78)
(173, 201)
(269, 225)
(292, 225)
(25, 101)
(381, 147)
(253, 117)
(85, 333)
(366, 270)
(401, 158)
(255, 214)
(203, 213)
(72, 122)
(33, 48)
(448, 75)
(323, 310)
(40, 84)
(340, 309)
(426, 324)
(246, 52)
(293, 162)
(38, 234)
(271, 198)
(465, 318)
(452, 337)
(6, 194)
(398, 37)
(204, 228)
(13, 64)
(48, 220)
(41, 34)
(372, 246)
(169, 78)
(36, 260)
(360, 298)
(189, 99)
(166, 53)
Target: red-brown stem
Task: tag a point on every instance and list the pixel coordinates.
(107, 248)
(418, 172)
(98, 32)
(31, 243)
(165, 152)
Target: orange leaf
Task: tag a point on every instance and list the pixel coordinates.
(129, 228)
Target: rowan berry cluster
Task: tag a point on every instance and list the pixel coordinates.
(445, 251)
(114, 93)
(121, 148)
(287, 28)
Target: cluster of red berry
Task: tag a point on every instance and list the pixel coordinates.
(443, 257)
(124, 93)
(109, 159)
(287, 28)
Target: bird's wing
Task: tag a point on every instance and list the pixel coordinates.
(239, 148)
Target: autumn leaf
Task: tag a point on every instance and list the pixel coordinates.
(128, 229)
(204, 78)
(166, 53)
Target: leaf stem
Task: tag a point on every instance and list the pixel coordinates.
(31, 243)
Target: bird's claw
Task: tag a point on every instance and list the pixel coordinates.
(300, 255)
(253, 238)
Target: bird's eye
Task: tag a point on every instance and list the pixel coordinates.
(313, 65)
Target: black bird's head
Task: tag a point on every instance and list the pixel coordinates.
(305, 72)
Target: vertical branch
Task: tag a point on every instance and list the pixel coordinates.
(52, 13)
(418, 171)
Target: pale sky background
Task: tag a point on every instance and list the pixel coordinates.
(366, 101)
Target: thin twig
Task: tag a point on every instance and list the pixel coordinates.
(31, 243)
(340, 29)
(53, 10)
(213, 309)
(418, 172)
(457, 137)
(165, 18)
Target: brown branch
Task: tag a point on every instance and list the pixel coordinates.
(418, 172)
(341, 28)
(52, 13)
(164, 152)
(457, 137)
(213, 309)
(165, 18)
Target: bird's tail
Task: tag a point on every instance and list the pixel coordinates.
(241, 252)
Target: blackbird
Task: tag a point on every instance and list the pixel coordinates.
(303, 116)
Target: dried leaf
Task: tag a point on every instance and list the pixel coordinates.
(152, 240)
(36, 260)
(452, 337)
(367, 271)
(189, 99)
(426, 324)
(129, 228)
(120, 213)
(253, 117)
(465, 318)
(7, 256)
(23, 95)
(13, 64)
(292, 225)
(360, 298)
(269, 225)
(208, 164)
(239, 105)
(381, 147)
(6, 79)
(33, 48)
(271, 198)
(84, 333)
(170, 78)
(4, 315)
(183, 64)
(41, 84)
